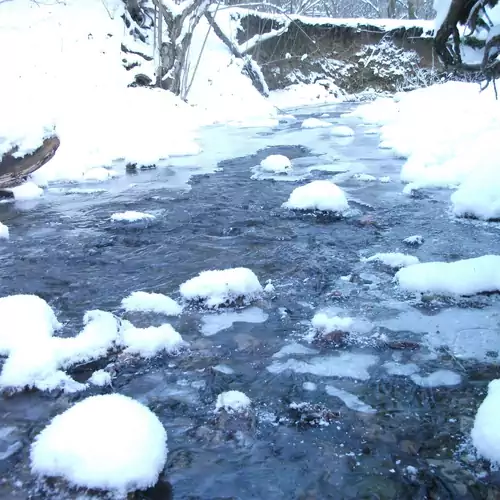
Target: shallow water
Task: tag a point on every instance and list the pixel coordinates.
(210, 213)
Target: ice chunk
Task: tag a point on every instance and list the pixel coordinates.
(294, 348)
(309, 386)
(214, 323)
(486, 431)
(315, 123)
(395, 260)
(4, 232)
(25, 320)
(276, 163)
(343, 365)
(108, 442)
(222, 287)
(100, 378)
(148, 342)
(151, 302)
(463, 277)
(342, 131)
(131, 216)
(437, 379)
(364, 177)
(401, 369)
(385, 179)
(318, 195)
(350, 400)
(232, 401)
(27, 191)
(223, 369)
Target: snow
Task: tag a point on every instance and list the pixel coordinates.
(395, 260)
(26, 319)
(349, 365)
(461, 155)
(415, 239)
(318, 195)
(342, 131)
(232, 401)
(350, 400)
(26, 191)
(437, 379)
(108, 442)
(276, 163)
(214, 323)
(4, 232)
(365, 177)
(302, 94)
(463, 277)
(100, 378)
(131, 216)
(325, 323)
(441, 7)
(148, 342)
(485, 433)
(315, 123)
(151, 302)
(222, 287)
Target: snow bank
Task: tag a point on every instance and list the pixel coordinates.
(131, 216)
(318, 195)
(108, 442)
(148, 342)
(151, 302)
(302, 94)
(26, 191)
(222, 287)
(276, 163)
(395, 260)
(232, 401)
(4, 232)
(315, 123)
(462, 154)
(486, 431)
(463, 277)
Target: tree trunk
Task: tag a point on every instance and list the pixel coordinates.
(412, 9)
(391, 9)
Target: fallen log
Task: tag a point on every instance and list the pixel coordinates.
(14, 170)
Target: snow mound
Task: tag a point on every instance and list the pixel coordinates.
(276, 163)
(4, 232)
(151, 302)
(131, 216)
(148, 342)
(232, 401)
(342, 131)
(437, 379)
(486, 431)
(463, 277)
(27, 191)
(222, 287)
(318, 195)
(365, 177)
(315, 123)
(26, 319)
(395, 260)
(478, 197)
(100, 378)
(324, 323)
(108, 442)
(415, 239)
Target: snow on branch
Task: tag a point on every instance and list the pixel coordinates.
(247, 46)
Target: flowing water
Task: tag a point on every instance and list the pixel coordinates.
(371, 426)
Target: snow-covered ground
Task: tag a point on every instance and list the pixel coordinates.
(448, 133)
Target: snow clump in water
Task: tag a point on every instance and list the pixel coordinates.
(131, 216)
(232, 401)
(151, 302)
(395, 260)
(318, 195)
(222, 287)
(276, 163)
(315, 123)
(4, 232)
(108, 442)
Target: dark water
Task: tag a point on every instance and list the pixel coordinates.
(65, 249)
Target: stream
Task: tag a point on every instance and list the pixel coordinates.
(359, 420)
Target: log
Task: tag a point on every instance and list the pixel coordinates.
(13, 170)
